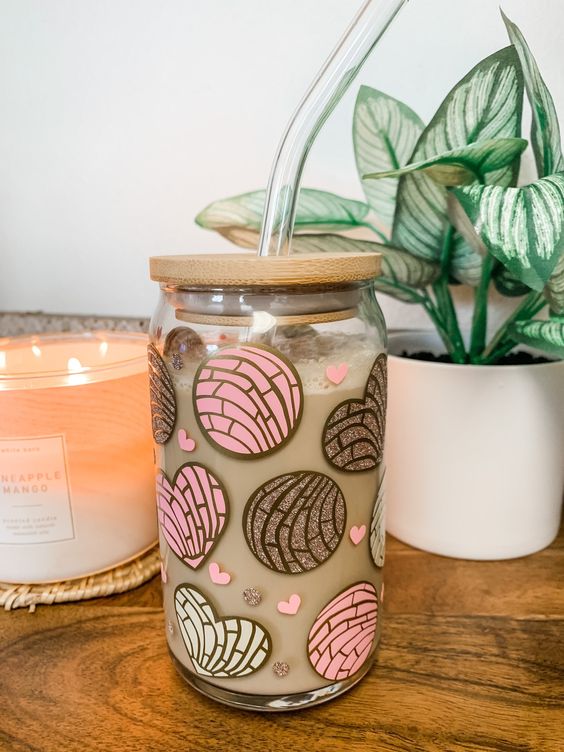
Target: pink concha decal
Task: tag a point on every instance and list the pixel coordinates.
(342, 637)
(192, 512)
(248, 400)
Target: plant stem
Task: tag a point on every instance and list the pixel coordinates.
(445, 303)
(480, 316)
(435, 317)
(503, 350)
(502, 342)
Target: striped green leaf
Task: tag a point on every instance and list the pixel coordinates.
(554, 290)
(486, 104)
(385, 132)
(522, 227)
(465, 165)
(543, 335)
(505, 283)
(317, 210)
(402, 274)
(468, 250)
(545, 131)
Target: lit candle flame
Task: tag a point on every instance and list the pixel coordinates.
(74, 365)
(103, 348)
(2, 359)
(36, 351)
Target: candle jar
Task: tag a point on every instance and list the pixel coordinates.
(268, 397)
(76, 457)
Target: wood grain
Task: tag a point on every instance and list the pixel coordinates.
(418, 582)
(76, 681)
(472, 660)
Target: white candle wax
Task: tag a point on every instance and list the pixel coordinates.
(76, 462)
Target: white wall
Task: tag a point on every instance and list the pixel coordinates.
(121, 119)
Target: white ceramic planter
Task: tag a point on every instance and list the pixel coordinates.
(474, 454)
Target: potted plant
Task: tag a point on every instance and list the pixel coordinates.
(475, 440)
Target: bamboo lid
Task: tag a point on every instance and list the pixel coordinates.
(242, 269)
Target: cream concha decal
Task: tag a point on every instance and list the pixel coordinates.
(221, 647)
(378, 527)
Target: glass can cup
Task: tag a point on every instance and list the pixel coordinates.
(268, 394)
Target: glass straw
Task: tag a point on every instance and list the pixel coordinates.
(323, 95)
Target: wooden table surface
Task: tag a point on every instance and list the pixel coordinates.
(472, 658)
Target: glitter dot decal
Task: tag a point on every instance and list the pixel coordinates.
(177, 362)
(163, 401)
(227, 647)
(342, 636)
(293, 523)
(192, 512)
(378, 528)
(170, 627)
(184, 341)
(353, 436)
(281, 669)
(252, 596)
(248, 400)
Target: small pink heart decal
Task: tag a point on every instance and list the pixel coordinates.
(185, 443)
(217, 576)
(337, 374)
(357, 533)
(290, 606)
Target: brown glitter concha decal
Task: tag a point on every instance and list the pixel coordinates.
(163, 401)
(353, 436)
(184, 341)
(294, 522)
(227, 647)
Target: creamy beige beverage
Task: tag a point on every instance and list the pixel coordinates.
(270, 518)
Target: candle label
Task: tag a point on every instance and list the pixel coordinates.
(35, 500)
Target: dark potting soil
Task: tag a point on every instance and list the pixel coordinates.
(513, 359)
